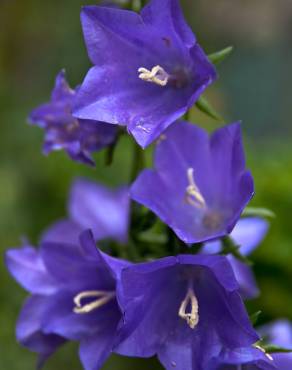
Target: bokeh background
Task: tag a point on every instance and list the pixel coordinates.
(38, 38)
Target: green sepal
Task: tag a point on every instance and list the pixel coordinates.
(254, 317)
(270, 348)
(221, 55)
(258, 212)
(204, 106)
(229, 247)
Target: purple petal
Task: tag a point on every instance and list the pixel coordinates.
(27, 268)
(64, 231)
(104, 211)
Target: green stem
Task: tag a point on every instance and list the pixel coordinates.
(138, 161)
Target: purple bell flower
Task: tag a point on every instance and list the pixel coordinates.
(200, 185)
(248, 233)
(183, 309)
(79, 138)
(93, 206)
(251, 358)
(148, 68)
(279, 334)
(73, 297)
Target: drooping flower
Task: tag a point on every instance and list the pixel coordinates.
(200, 185)
(93, 206)
(279, 334)
(79, 138)
(148, 68)
(184, 309)
(73, 297)
(248, 233)
(251, 358)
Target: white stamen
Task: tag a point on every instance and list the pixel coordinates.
(194, 196)
(103, 297)
(263, 350)
(192, 318)
(157, 75)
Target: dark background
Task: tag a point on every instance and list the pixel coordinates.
(38, 38)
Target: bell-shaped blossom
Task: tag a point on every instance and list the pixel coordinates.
(248, 233)
(96, 207)
(200, 184)
(279, 334)
(183, 309)
(148, 68)
(250, 358)
(73, 297)
(79, 138)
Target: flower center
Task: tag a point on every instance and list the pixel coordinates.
(102, 298)
(157, 75)
(190, 303)
(193, 194)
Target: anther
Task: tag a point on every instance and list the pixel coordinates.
(193, 195)
(157, 75)
(192, 318)
(103, 297)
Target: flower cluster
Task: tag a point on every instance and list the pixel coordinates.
(158, 267)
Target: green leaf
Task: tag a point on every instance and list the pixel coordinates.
(229, 247)
(221, 55)
(204, 106)
(258, 212)
(275, 349)
(255, 316)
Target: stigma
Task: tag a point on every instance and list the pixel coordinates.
(190, 301)
(100, 298)
(157, 75)
(193, 194)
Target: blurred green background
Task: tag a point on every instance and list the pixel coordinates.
(38, 38)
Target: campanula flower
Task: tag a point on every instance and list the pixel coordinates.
(73, 297)
(200, 184)
(248, 233)
(79, 138)
(279, 334)
(96, 207)
(183, 309)
(148, 68)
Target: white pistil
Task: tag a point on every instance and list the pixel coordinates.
(103, 297)
(193, 195)
(192, 318)
(263, 350)
(157, 75)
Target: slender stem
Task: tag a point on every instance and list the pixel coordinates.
(138, 161)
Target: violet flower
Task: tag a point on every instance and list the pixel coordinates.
(93, 206)
(279, 334)
(79, 138)
(200, 185)
(248, 233)
(148, 68)
(251, 358)
(73, 297)
(184, 309)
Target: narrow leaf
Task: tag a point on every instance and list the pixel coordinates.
(258, 212)
(204, 106)
(255, 316)
(276, 349)
(220, 55)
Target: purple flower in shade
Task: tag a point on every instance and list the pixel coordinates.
(279, 334)
(184, 309)
(79, 138)
(73, 297)
(93, 206)
(148, 68)
(250, 358)
(200, 185)
(248, 233)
